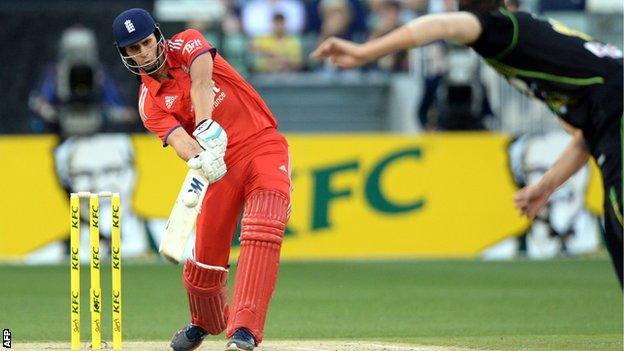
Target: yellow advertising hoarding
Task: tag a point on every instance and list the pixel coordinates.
(355, 196)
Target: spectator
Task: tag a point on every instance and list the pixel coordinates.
(358, 26)
(211, 29)
(386, 15)
(278, 52)
(235, 43)
(76, 96)
(257, 16)
(435, 69)
(460, 97)
(227, 35)
(388, 18)
(335, 19)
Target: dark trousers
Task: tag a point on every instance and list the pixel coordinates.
(609, 158)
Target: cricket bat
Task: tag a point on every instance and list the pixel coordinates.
(183, 216)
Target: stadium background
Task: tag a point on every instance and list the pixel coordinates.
(415, 157)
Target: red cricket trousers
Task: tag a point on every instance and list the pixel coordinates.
(263, 163)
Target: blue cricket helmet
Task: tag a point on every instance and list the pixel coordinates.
(132, 26)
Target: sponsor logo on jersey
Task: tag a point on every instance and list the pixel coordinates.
(192, 46)
(216, 89)
(219, 95)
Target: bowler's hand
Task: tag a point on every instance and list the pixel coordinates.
(531, 199)
(342, 53)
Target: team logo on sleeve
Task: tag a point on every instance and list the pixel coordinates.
(169, 100)
(192, 46)
(603, 50)
(175, 45)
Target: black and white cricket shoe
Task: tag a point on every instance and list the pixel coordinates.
(241, 340)
(188, 338)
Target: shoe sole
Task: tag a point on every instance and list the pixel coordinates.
(235, 347)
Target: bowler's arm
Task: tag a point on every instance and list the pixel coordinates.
(459, 27)
(571, 160)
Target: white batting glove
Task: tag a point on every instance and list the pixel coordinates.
(212, 137)
(211, 164)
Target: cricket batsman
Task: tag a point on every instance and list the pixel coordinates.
(580, 80)
(193, 100)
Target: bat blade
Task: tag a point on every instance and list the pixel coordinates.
(183, 217)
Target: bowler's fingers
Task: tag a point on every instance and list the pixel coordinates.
(329, 48)
(323, 50)
(521, 203)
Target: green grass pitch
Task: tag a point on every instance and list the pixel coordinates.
(570, 304)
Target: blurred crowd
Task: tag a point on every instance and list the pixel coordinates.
(76, 95)
(277, 35)
(269, 36)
